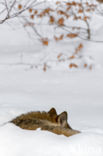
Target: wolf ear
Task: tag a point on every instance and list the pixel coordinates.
(52, 112)
(62, 119)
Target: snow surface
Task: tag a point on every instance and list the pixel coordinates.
(24, 88)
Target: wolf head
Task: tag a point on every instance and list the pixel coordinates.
(61, 119)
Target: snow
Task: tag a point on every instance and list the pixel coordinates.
(79, 93)
(20, 142)
(24, 87)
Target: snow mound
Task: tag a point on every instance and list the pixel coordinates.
(17, 142)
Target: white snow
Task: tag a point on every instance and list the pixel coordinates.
(24, 87)
(20, 142)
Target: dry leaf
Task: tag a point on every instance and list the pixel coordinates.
(73, 65)
(61, 21)
(74, 3)
(80, 11)
(44, 67)
(80, 46)
(68, 3)
(85, 18)
(59, 38)
(48, 10)
(72, 35)
(91, 67)
(45, 41)
(85, 65)
(32, 16)
(59, 56)
(72, 57)
(88, 10)
(35, 12)
(68, 8)
(19, 6)
(58, 2)
(51, 20)
(30, 10)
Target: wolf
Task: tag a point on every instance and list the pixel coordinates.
(49, 121)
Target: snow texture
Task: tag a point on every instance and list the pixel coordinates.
(24, 87)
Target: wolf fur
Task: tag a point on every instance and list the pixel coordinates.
(49, 121)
